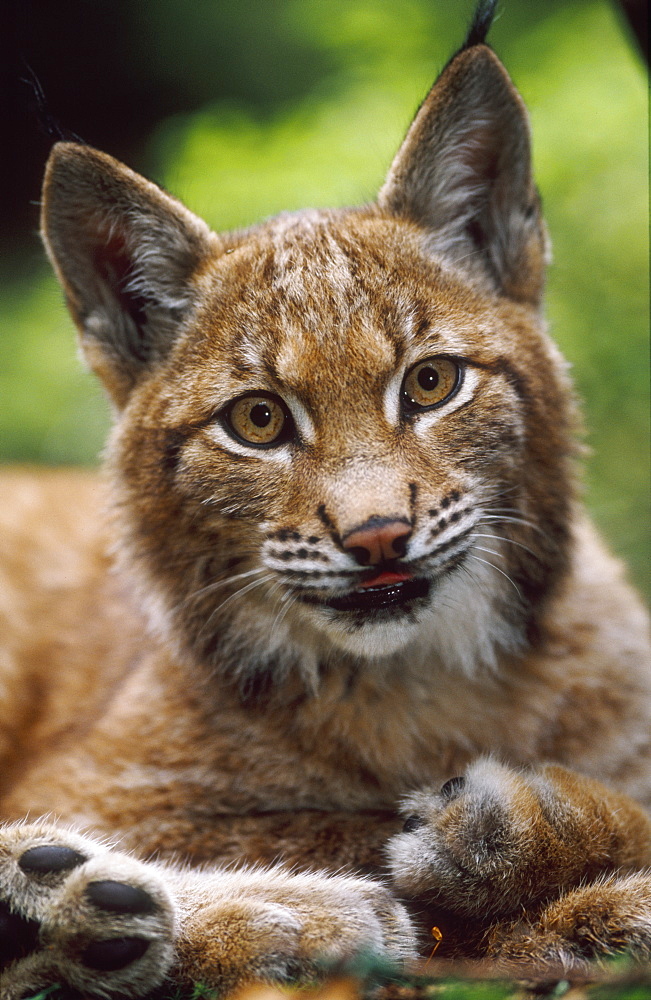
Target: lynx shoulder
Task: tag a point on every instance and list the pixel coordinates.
(337, 553)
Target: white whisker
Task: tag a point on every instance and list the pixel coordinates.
(493, 515)
(286, 602)
(509, 541)
(474, 578)
(218, 584)
(471, 253)
(238, 593)
(496, 568)
(500, 494)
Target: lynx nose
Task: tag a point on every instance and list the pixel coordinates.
(378, 540)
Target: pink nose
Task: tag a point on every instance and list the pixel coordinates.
(378, 540)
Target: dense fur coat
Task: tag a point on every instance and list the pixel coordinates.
(336, 558)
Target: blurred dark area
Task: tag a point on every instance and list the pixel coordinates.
(111, 71)
(637, 15)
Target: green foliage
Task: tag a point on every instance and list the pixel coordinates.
(51, 993)
(369, 977)
(343, 81)
(51, 410)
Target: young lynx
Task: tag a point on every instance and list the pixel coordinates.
(336, 562)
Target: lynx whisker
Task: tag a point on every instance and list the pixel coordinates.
(286, 602)
(218, 584)
(238, 593)
(509, 541)
(492, 552)
(475, 580)
(194, 557)
(465, 256)
(494, 515)
(496, 568)
(499, 494)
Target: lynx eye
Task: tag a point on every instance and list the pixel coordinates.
(258, 420)
(430, 383)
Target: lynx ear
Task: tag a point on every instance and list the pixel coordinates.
(125, 253)
(464, 173)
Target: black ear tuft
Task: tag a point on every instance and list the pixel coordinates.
(463, 173)
(48, 124)
(480, 24)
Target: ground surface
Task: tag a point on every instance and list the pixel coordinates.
(620, 979)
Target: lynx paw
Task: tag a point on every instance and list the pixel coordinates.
(498, 839)
(609, 917)
(76, 913)
(248, 925)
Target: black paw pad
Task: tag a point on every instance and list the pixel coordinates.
(50, 858)
(118, 897)
(412, 823)
(109, 956)
(453, 787)
(17, 936)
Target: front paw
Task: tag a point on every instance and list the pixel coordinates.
(74, 912)
(498, 838)
(249, 925)
(610, 917)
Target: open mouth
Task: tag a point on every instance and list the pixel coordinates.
(381, 594)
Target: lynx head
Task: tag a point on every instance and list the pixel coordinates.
(341, 435)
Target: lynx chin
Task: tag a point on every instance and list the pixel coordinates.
(331, 638)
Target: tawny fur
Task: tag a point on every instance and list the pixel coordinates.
(170, 676)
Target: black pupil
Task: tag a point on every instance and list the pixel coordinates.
(428, 378)
(260, 415)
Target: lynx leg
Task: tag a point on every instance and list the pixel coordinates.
(498, 839)
(270, 925)
(75, 912)
(611, 916)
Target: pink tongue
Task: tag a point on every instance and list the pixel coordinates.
(384, 579)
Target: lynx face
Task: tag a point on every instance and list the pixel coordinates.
(342, 432)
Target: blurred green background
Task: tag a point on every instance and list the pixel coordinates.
(292, 103)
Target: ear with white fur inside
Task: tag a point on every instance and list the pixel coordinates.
(463, 173)
(126, 254)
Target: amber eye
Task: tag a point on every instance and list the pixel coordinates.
(430, 383)
(258, 420)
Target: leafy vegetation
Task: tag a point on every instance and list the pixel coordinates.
(373, 980)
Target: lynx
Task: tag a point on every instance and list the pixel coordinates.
(330, 653)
